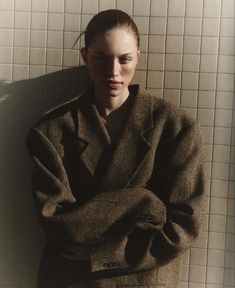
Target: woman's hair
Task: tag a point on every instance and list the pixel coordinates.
(106, 20)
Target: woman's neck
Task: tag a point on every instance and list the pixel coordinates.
(108, 104)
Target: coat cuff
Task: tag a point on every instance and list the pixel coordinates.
(108, 255)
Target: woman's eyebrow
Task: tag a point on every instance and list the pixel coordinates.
(122, 55)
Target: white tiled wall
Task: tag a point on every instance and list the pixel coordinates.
(187, 57)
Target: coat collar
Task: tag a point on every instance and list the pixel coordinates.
(123, 164)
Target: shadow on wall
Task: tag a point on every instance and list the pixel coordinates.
(21, 105)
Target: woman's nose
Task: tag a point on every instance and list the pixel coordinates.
(112, 68)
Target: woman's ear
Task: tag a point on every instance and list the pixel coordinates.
(138, 55)
(83, 51)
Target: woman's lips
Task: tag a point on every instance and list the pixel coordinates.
(112, 83)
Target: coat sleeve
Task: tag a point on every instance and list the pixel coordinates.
(131, 228)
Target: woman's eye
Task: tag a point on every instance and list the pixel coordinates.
(124, 60)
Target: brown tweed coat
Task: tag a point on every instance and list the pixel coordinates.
(135, 203)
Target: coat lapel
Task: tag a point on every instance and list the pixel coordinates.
(91, 135)
(132, 147)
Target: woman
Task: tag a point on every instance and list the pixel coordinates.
(118, 175)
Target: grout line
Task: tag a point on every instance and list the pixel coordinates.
(30, 31)
(63, 37)
(13, 42)
(165, 53)
(147, 55)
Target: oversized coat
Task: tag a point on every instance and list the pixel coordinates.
(136, 203)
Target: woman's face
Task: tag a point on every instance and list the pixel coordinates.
(111, 60)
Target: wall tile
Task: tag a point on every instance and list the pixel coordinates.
(210, 27)
(197, 274)
(20, 72)
(37, 56)
(208, 63)
(227, 9)
(192, 44)
(172, 95)
(198, 256)
(212, 8)
(224, 100)
(196, 285)
(69, 39)
(156, 61)
(194, 8)
(226, 46)
(174, 44)
(7, 5)
(142, 64)
(176, 8)
(144, 42)
(206, 99)
(21, 37)
(173, 62)
(55, 21)
(141, 8)
(191, 63)
(40, 6)
(226, 64)
(72, 22)
(56, 6)
(125, 5)
(208, 152)
(227, 28)
(223, 118)
(90, 6)
(218, 206)
(36, 71)
(193, 26)
(142, 24)
(207, 81)
(55, 39)
(158, 25)
(222, 136)
(190, 80)
(156, 43)
(6, 37)
(70, 58)
(38, 38)
(158, 8)
(6, 19)
(230, 242)
(106, 4)
(22, 20)
(21, 55)
(230, 223)
(189, 98)
(231, 191)
(206, 116)
(229, 277)
(39, 21)
(155, 79)
(23, 5)
(54, 57)
(215, 275)
(221, 153)
(209, 45)
(172, 79)
(191, 112)
(215, 258)
(85, 20)
(201, 241)
(220, 171)
(6, 55)
(216, 240)
(73, 6)
(231, 208)
(225, 82)
(217, 223)
(185, 272)
(175, 26)
(140, 77)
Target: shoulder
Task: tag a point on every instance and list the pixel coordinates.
(63, 116)
(165, 114)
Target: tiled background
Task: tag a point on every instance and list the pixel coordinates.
(187, 56)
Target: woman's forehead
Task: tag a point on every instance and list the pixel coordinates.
(115, 39)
